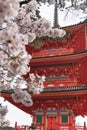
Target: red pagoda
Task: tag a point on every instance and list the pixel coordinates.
(65, 94)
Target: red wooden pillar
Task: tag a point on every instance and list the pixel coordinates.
(59, 121)
(34, 119)
(71, 122)
(45, 122)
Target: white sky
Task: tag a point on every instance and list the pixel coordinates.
(18, 115)
(73, 17)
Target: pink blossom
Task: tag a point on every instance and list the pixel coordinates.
(19, 28)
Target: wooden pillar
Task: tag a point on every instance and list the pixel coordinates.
(85, 126)
(15, 126)
(34, 119)
(86, 34)
(59, 121)
(44, 122)
(71, 123)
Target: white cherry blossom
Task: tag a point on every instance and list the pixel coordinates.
(20, 26)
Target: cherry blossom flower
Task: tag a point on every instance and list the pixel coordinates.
(20, 26)
(22, 96)
(31, 6)
(3, 112)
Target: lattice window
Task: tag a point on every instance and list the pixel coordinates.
(64, 119)
(39, 119)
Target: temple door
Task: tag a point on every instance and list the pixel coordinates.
(51, 123)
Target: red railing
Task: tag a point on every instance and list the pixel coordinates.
(21, 127)
(81, 128)
(61, 128)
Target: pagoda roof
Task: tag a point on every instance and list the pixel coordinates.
(58, 59)
(69, 95)
(75, 38)
(60, 93)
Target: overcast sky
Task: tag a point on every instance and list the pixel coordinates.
(16, 115)
(72, 18)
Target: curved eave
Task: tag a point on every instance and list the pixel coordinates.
(55, 92)
(60, 59)
(62, 93)
(73, 95)
(46, 96)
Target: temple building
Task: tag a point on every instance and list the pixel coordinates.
(64, 63)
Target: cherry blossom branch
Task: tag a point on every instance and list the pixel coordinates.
(5, 52)
(22, 27)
